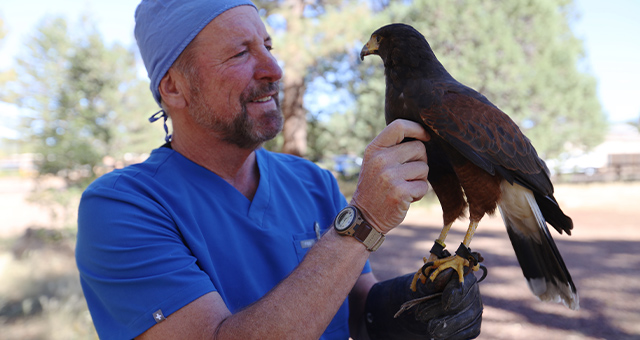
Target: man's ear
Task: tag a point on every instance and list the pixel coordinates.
(174, 89)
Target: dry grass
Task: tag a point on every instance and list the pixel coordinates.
(40, 294)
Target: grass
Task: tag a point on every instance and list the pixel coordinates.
(40, 293)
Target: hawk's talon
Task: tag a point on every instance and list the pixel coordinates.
(425, 266)
(420, 275)
(455, 262)
(485, 271)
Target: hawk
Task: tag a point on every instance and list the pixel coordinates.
(478, 159)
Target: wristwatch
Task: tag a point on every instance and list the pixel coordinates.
(350, 222)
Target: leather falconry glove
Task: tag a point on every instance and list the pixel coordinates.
(443, 309)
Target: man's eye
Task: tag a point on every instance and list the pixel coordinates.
(268, 47)
(240, 54)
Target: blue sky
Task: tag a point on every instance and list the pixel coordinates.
(609, 30)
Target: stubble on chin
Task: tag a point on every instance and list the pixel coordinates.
(248, 133)
(243, 130)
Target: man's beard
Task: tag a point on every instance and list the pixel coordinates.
(243, 131)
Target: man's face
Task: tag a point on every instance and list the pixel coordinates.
(234, 93)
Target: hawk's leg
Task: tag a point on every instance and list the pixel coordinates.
(456, 262)
(436, 251)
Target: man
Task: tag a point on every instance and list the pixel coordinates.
(214, 237)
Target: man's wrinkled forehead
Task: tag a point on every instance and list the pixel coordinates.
(165, 27)
(240, 26)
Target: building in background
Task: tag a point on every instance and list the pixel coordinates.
(616, 159)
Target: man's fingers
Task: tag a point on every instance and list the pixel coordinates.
(415, 177)
(398, 130)
(409, 151)
(418, 190)
(390, 181)
(414, 171)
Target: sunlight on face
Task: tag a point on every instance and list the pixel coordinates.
(234, 92)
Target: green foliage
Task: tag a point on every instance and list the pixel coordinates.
(348, 131)
(83, 100)
(84, 111)
(309, 37)
(521, 54)
(86, 102)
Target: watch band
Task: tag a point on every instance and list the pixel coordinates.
(370, 237)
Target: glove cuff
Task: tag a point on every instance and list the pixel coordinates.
(383, 301)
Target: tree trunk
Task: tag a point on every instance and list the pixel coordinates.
(294, 131)
(295, 119)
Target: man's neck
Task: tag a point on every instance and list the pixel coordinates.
(235, 165)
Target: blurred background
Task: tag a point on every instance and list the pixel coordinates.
(74, 103)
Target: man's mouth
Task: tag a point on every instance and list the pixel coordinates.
(262, 94)
(263, 99)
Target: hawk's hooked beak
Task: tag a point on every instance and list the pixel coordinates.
(371, 47)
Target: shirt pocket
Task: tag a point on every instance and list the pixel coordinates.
(303, 242)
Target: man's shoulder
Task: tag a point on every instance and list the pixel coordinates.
(145, 171)
(298, 175)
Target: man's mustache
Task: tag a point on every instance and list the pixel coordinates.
(266, 89)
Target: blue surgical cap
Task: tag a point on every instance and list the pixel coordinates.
(165, 27)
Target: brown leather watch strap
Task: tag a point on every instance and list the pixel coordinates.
(369, 236)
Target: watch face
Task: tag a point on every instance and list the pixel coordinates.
(345, 218)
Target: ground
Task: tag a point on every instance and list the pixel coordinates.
(601, 256)
(40, 297)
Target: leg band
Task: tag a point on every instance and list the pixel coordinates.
(473, 257)
(439, 251)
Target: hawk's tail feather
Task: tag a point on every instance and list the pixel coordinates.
(553, 214)
(539, 258)
(544, 269)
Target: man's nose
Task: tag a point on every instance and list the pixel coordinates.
(268, 68)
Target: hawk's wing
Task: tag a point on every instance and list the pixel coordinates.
(479, 131)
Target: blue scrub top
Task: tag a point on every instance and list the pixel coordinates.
(157, 235)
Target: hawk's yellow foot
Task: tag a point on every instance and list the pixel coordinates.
(438, 251)
(454, 262)
(441, 260)
(418, 275)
